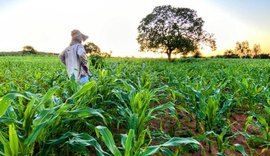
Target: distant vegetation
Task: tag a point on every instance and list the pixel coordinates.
(29, 50)
(242, 50)
(26, 50)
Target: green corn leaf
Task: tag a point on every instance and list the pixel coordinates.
(88, 112)
(13, 140)
(176, 141)
(241, 149)
(48, 96)
(140, 141)
(267, 109)
(44, 116)
(5, 102)
(28, 117)
(35, 133)
(61, 139)
(1, 153)
(107, 137)
(133, 122)
(86, 88)
(5, 143)
(129, 142)
(169, 105)
(167, 152)
(79, 141)
(123, 140)
(8, 120)
(150, 150)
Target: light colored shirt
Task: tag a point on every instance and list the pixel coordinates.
(73, 57)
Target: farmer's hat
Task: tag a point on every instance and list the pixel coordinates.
(77, 35)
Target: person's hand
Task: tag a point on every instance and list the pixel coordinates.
(85, 69)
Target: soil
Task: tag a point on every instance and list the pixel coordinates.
(187, 129)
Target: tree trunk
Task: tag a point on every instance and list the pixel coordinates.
(169, 53)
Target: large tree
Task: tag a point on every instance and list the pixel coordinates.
(173, 30)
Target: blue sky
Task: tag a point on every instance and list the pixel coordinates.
(5, 4)
(112, 25)
(252, 12)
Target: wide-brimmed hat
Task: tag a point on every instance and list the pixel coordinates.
(76, 34)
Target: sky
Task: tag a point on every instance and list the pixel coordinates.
(112, 24)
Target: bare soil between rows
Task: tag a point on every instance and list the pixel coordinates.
(187, 128)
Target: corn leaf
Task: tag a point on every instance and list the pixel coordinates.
(108, 139)
(241, 149)
(5, 142)
(86, 88)
(176, 141)
(150, 150)
(35, 133)
(13, 140)
(5, 102)
(129, 142)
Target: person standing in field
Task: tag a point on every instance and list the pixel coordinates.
(75, 59)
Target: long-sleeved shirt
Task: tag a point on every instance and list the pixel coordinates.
(74, 57)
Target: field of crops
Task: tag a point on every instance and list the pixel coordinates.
(135, 107)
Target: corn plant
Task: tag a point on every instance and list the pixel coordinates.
(263, 123)
(129, 142)
(32, 119)
(222, 140)
(135, 107)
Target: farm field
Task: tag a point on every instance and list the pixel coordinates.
(135, 107)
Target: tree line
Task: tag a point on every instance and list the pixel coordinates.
(243, 50)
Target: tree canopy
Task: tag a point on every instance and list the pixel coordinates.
(28, 49)
(243, 50)
(173, 30)
(91, 48)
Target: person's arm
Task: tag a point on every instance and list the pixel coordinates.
(83, 58)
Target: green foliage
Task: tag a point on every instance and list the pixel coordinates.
(129, 144)
(172, 30)
(91, 48)
(29, 50)
(97, 61)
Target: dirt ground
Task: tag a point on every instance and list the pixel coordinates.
(187, 129)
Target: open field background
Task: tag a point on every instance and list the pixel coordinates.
(135, 107)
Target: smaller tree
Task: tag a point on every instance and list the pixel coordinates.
(242, 49)
(91, 48)
(256, 50)
(229, 52)
(28, 50)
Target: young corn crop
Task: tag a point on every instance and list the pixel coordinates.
(134, 107)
